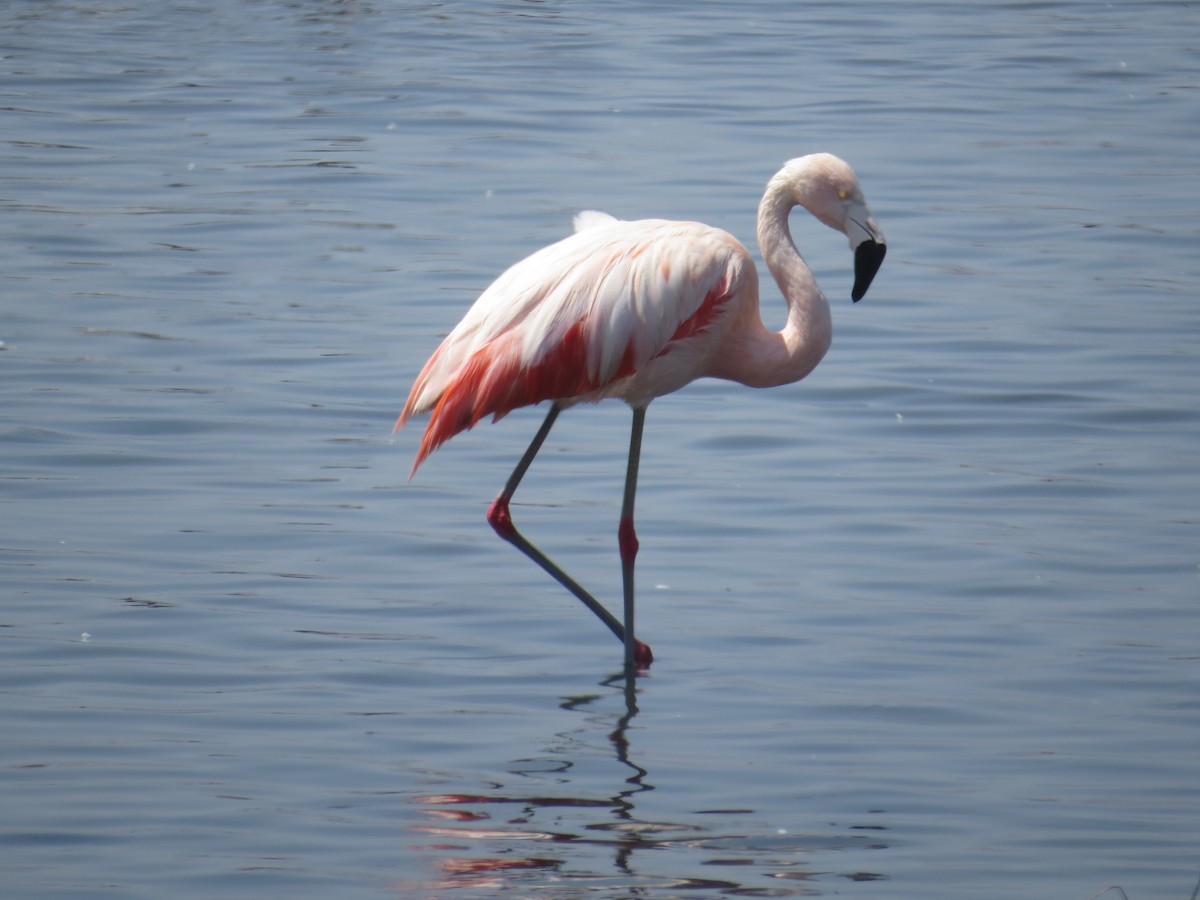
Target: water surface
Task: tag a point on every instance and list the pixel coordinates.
(926, 623)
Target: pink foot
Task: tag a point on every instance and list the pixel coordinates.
(642, 657)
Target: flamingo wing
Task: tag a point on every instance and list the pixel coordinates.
(576, 318)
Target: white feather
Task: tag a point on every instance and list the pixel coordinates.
(593, 218)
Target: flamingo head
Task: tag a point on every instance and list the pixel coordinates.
(828, 188)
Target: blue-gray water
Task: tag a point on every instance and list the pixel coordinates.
(927, 624)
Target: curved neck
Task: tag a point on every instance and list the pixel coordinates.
(768, 358)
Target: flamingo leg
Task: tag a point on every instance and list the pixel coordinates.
(628, 543)
(500, 519)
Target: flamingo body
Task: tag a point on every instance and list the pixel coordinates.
(636, 310)
(631, 310)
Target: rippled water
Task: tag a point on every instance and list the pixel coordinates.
(926, 623)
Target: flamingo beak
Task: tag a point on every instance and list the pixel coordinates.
(868, 257)
(866, 240)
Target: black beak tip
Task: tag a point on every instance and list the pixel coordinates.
(868, 257)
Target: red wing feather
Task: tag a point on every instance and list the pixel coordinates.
(494, 381)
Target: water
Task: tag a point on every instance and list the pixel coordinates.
(926, 623)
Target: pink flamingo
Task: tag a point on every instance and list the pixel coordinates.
(635, 310)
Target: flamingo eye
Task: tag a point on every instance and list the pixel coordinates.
(843, 194)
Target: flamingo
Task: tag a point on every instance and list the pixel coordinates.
(634, 310)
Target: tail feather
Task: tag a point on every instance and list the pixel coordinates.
(496, 379)
(477, 389)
